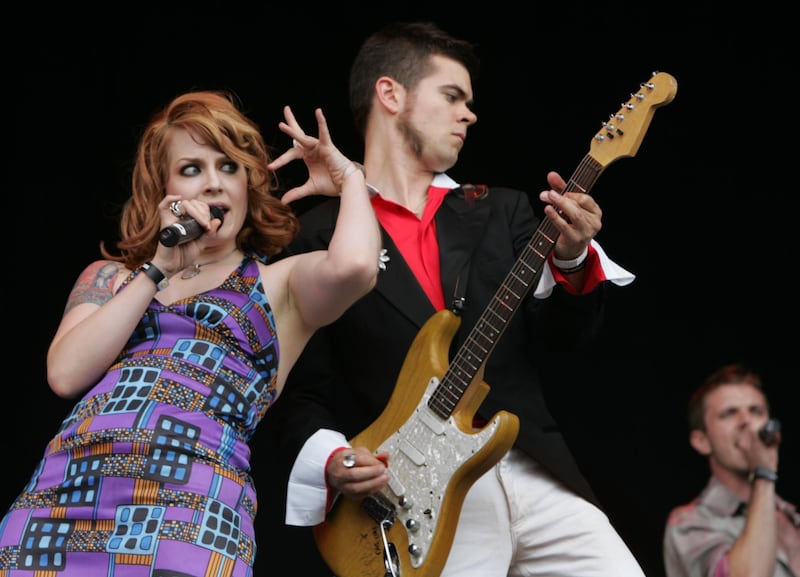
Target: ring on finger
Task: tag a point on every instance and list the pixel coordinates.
(175, 208)
(349, 460)
(296, 144)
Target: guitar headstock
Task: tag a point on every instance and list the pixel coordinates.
(622, 134)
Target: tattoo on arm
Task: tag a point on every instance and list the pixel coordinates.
(95, 285)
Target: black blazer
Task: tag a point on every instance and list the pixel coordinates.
(348, 371)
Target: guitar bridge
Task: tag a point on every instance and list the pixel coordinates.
(380, 509)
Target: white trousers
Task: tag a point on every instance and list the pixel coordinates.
(518, 521)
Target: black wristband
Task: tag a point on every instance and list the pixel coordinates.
(151, 271)
(764, 473)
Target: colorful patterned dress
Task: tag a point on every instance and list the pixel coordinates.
(149, 474)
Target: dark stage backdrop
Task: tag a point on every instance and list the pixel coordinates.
(700, 215)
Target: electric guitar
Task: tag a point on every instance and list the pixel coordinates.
(435, 453)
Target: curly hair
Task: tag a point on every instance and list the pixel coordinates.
(213, 116)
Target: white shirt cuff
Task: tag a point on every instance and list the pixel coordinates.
(307, 492)
(611, 271)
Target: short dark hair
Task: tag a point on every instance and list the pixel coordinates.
(732, 374)
(402, 50)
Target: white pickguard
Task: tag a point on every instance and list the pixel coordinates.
(423, 456)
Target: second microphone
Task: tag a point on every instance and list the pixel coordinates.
(186, 229)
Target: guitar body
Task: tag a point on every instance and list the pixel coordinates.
(433, 462)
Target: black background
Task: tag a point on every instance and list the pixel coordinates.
(703, 214)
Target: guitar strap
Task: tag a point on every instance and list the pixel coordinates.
(471, 193)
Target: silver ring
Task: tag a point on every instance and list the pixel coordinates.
(349, 460)
(296, 144)
(175, 207)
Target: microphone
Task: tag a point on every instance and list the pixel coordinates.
(186, 229)
(769, 432)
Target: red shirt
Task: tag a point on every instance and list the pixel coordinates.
(416, 239)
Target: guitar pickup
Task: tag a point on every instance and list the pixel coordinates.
(395, 485)
(412, 452)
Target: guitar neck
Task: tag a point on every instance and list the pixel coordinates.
(524, 275)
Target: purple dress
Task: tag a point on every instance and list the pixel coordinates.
(149, 474)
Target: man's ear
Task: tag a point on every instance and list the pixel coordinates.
(390, 93)
(699, 441)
